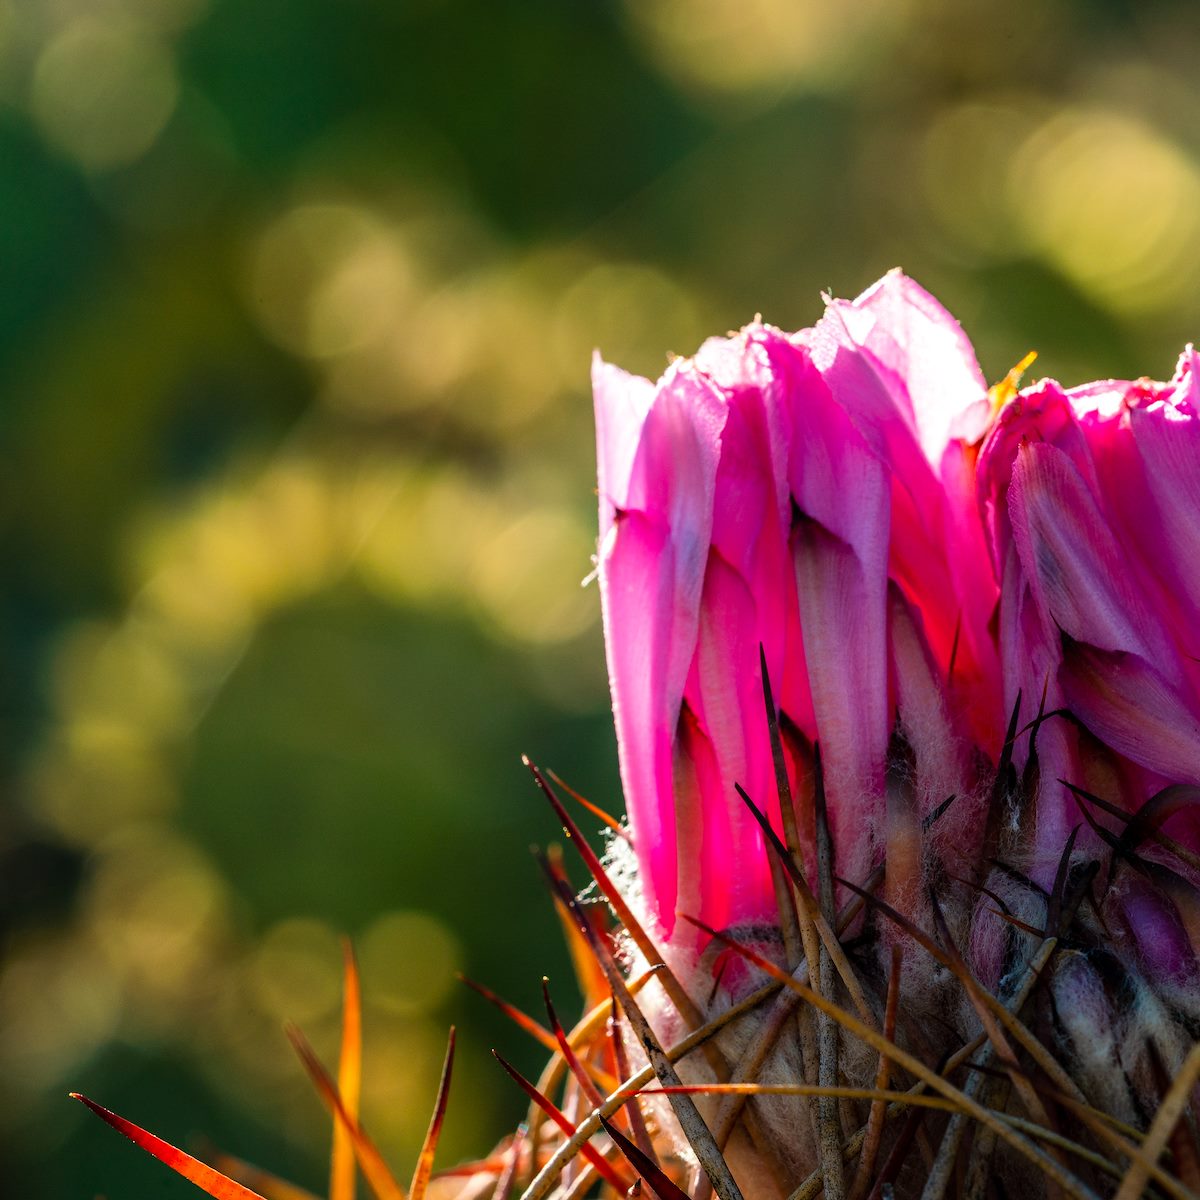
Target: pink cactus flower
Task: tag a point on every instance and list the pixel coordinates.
(919, 569)
(812, 494)
(1090, 497)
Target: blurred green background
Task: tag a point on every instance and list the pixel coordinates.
(297, 310)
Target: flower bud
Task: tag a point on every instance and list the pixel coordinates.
(811, 495)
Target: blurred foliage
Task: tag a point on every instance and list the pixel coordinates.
(299, 301)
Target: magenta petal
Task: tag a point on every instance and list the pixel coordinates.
(752, 508)
(920, 702)
(1042, 413)
(909, 360)
(842, 612)
(651, 566)
(902, 369)
(1168, 444)
(635, 581)
(840, 552)
(1032, 658)
(725, 694)
(945, 573)
(622, 402)
(1078, 573)
(702, 813)
(1125, 702)
(749, 601)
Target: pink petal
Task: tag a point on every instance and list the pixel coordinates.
(1126, 703)
(749, 601)
(639, 608)
(1078, 572)
(840, 554)
(841, 608)
(901, 367)
(920, 703)
(752, 508)
(622, 402)
(1040, 413)
(1167, 439)
(651, 564)
(909, 359)
(725, 694)
(1032, 657)
(702, 813)
(956, 594)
